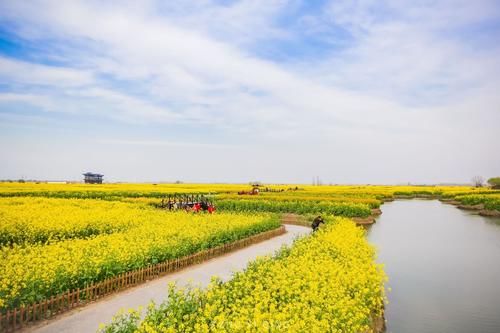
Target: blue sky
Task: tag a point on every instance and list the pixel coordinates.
(232, 91)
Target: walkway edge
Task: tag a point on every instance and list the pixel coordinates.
(22, 317)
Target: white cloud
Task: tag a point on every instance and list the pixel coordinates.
(21, 72)
(402, 82)
(412, 53)
(187, 67)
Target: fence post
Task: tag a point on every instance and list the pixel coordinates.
(15, 319)
(7, 320)
(60, 303)
(87, 293)
(20, 314)
(29, 312)
(56, 302)
(45, 308)
(50, 306)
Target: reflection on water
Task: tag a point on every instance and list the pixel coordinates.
(443, 266)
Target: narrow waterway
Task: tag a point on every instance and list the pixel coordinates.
(443, 266)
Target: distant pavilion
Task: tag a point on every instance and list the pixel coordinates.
(93, 178)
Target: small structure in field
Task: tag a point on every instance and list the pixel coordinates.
(92, 178)
(254, 191)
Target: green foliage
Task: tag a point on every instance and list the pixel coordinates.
(346, 209)
(490, 202)
(123, 322)
(495, 182)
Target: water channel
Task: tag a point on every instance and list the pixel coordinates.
(443, 265)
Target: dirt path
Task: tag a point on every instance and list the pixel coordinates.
(87, 319)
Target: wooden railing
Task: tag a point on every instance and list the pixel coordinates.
(19, 318)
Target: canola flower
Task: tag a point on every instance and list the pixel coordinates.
(40, 220)
(32, 272)
(327, 282)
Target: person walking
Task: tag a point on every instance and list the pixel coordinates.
(317, 222)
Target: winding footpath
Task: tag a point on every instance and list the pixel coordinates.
(87, 319)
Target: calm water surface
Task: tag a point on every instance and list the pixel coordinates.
(443, 266)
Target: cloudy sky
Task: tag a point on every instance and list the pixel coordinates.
(232, 91)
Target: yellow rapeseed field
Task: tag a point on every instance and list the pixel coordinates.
(138, 190)
(33, 220)
(32, 271)
(327, 282)
(55, 237)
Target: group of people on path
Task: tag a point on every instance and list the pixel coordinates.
(202, 207)
(196, 207)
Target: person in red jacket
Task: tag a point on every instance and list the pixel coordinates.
(211, 209)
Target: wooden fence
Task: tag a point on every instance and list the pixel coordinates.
(19, 318)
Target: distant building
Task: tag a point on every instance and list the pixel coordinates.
(93, 178)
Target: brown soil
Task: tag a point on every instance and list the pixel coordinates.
(364, 220)
(479, 208)
(486, 212)
(295, 219)
(377, 326)
(416, 196)
(376, 211)
(472, 207)
(450, 202)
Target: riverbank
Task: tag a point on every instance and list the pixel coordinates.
(306, 221)
(478, 208)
